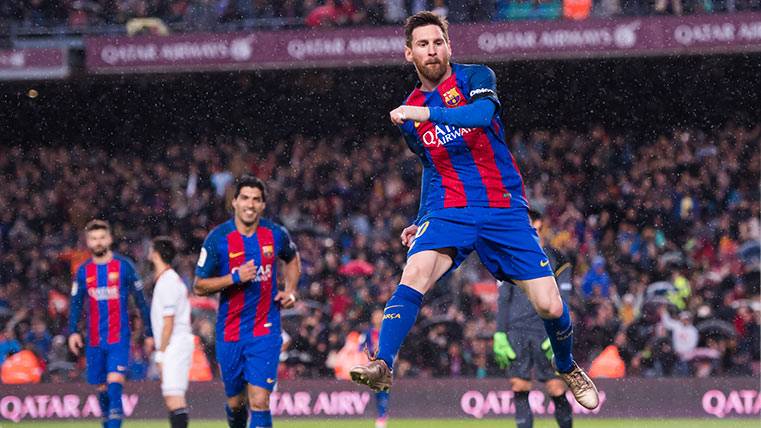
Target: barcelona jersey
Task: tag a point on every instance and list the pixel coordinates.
(248, 309)
(463, 167)
(103, 289)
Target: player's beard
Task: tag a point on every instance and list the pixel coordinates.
(433, 71)
(99, 251)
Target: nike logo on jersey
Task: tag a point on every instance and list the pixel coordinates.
(238, 254)
(544, 263)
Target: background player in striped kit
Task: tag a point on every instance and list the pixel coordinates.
(472, 198)
(170, 316)
(521, 344)
(239, 258)
(107, 279)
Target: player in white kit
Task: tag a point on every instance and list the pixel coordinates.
(170, 316)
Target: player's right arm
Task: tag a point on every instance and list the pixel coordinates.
(208, 264)
(78, 288)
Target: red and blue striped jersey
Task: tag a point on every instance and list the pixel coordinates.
(246, 310)
(104, 289)
(463, 166)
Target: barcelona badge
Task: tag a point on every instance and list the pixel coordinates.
(452, 97)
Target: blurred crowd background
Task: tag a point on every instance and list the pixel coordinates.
(162, 16)
(663, 234)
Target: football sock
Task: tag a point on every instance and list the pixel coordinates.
(398, 318)
(261, 419)
(560, 332)
(237, 418)
(103, 401)
(115, 412)
(381, 403)
(523, 416)
(178, 418)
(563, 413)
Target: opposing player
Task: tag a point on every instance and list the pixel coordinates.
(106, 279)
(472, 199)
(521, 344)
(239, 259)
(170, 316)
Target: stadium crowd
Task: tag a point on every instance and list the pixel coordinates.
(185, 15)
(663, 234)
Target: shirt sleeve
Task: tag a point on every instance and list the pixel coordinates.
(483, 85)
(287, 249)
(78, 288)
(208, 259)
(478, 114)
(136, 286)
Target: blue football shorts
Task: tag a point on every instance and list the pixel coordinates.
(102, 360)
(502, 237)
(252, 360)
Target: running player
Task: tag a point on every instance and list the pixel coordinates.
(239, 259)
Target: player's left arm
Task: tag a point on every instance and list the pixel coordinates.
(136, 287)
(288, 252)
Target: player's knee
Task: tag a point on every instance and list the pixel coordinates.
(237, 402)
(520, 385)
(415, 275)
(555, 388)
(549, 308)
(259, 402)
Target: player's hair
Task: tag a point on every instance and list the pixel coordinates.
(97, 225)
(250, 181)
(421, 19)
(164, 246)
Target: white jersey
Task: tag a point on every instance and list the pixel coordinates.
(170, 297)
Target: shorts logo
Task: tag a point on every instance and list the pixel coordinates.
(270, 380)
(238, 254)
(452, 97)
(121, 368)
(421, 230)
(392, 316)
(544, 263)
(267, 250)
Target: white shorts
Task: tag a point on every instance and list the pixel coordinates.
(175, 370)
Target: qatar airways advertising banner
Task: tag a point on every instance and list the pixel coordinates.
(483, 42)
(33, 64)
(714, 398)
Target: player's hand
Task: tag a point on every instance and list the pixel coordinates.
(547, 349)
(408, 234)
(503, 352)
(75, 343)
(247, 271)
(148, 345)
(286, 300)
(402, 113)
